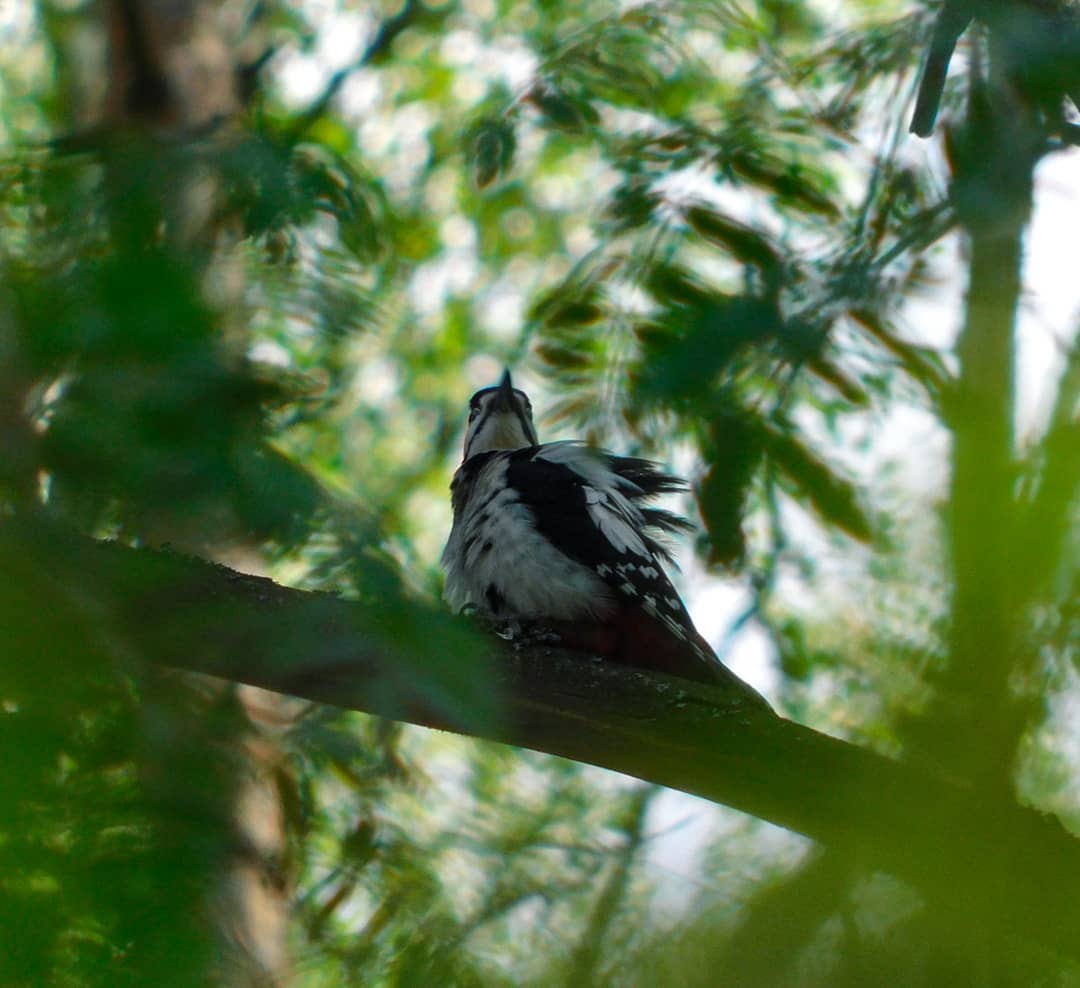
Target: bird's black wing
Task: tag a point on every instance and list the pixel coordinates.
(588, 504)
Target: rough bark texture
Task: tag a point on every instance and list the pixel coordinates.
(986, 862)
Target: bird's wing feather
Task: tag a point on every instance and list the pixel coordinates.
(591, 512)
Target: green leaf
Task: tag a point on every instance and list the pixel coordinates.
(733, 450)
(828, 371)
(632, 204)
(833, 498)
(744, 243)
(575, 312)
(562, 110)
(700, 337)
(491, 143)
(924, 365)
(790, 183)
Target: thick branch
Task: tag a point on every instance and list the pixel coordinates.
(993, 159)
(988, 865)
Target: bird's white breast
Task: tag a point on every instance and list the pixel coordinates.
(495, 543)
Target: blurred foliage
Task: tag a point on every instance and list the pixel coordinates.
(695, 228)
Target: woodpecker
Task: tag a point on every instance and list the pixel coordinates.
(562, 537)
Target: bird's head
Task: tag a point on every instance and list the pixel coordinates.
(499, 418)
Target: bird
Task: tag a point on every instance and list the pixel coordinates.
(563, 537)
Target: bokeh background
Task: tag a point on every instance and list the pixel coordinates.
(255, 257)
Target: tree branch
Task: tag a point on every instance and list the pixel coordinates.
(993, 158)
(380, 43)
(990, 865)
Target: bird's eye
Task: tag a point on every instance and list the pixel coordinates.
(473, 411)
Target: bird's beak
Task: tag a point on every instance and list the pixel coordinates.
(504, 397)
